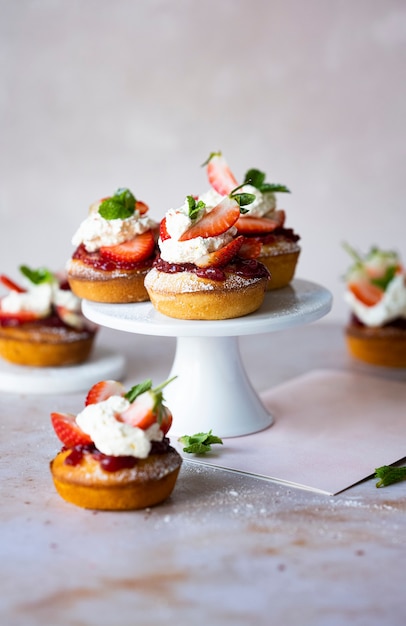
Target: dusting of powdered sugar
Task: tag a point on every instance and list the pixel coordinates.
(187, 282)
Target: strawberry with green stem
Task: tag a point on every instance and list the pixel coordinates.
(219, 174)
(147, 406)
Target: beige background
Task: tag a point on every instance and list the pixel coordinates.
(98, 94)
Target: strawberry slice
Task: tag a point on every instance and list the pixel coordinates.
(366, 292)
(133, 251)
(141, 207)
(224, 215)
(163, 232)
(165, 419)
(250, 249)
(10, 284)
(248, 225)
(103, 390)
(221, 257)
(67, 430)
(142, 412)
(147, 409)
(219, 174)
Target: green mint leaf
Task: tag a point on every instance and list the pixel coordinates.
(137, 390)
(197, 448)
(200, 443)
(120, 206)
(242, 198)
(211, 439)
(194, 207)
(274, 187)
(389, 475)
(256, 178)
(38, 276)
(384, 281)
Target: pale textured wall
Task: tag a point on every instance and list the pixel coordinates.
(98, 94)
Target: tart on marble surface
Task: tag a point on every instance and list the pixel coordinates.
(41, 323)
(199, 274)
(116, 454)
(114, 249)
(376, 296)
(262, 225)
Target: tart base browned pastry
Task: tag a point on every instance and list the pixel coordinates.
(385, 346)
(281, 266)
(38, 345)
(118, 286)
(184, 295)
(86, 484)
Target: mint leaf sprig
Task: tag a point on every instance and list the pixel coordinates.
(388, 475)
(146, 385)
(37, 276)
(194, 207)
(119, 206)
(256, 178)
(200, 443)
(242, 198)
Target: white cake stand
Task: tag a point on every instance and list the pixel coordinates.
(212, 390)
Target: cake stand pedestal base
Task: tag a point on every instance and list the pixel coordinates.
(211, 390)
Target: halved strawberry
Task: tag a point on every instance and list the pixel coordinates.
(247, 225)
(69, 317)
(250, 249)
(219, 174)
(163, 232)
(366, 292)
(147, 409)
(10, 284)
(141, 413)
(67, 430)
(141, 207)
(165, 420)
(103, 390)
(221, 257)
(217, 221)
(133, 251)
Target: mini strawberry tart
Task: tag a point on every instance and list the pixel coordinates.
(115, 248)
(116, 455)
(198, 274)
(376, 295)
(42, 325)
(262, 225)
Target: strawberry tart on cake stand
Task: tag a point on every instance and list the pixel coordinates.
(211, 389)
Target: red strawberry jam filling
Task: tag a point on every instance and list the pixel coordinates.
(286, 233)
(99, 262)
(108, 462)
(53, 321)
(248, 268)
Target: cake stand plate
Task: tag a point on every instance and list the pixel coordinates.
(211, 390)
(102, 364)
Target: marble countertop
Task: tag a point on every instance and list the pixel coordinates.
(226, 548)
